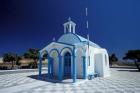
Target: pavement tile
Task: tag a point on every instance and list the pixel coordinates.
(118, 82)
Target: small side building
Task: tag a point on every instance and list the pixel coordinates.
(73, 56)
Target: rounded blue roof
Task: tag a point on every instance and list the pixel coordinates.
(71, 38)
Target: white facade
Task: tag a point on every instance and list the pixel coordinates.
(71, 49)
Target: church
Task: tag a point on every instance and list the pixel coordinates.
(74, 57)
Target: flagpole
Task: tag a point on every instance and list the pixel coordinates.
(87, 26)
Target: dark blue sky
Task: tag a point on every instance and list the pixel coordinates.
(113, 24)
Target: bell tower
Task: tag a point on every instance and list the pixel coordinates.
(69, 27)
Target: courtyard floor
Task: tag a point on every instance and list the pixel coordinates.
(121, 81)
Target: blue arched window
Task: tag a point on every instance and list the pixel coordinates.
(67, 64)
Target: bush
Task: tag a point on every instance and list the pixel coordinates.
(32, 65)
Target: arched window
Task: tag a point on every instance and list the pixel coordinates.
(67, 64)
(67, 57)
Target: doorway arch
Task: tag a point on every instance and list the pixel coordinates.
(67, 65)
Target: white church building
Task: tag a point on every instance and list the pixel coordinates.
(73, 56)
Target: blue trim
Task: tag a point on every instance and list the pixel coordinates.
(40, 65)
(74, 70)
(91, 44)
(83, 51)
(74, 66)
(67, 66)
(52, 62)
(65, 43)
(77, 37)
(84, 67)
(60, 68)
(49, 67)
(72, 34)
(66, 48)
(64, 68)
(82, 40)
(70, 50)
(41, 53)
(54, 49)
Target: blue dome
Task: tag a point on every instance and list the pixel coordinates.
(72, 38)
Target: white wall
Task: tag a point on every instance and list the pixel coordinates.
(91, 67)
(55, 63)
(79, 63)
(97, 60)
(106, 68)
(102, 63)
(62, 54)
(98, 64)
(59, 47)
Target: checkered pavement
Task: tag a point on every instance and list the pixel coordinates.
(120, 81)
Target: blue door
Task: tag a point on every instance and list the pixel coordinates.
(67, 65)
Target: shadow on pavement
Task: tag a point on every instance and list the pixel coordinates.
(125, 67)
(129, 70)
(52, 79)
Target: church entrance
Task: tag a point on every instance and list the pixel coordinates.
(67, 65)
